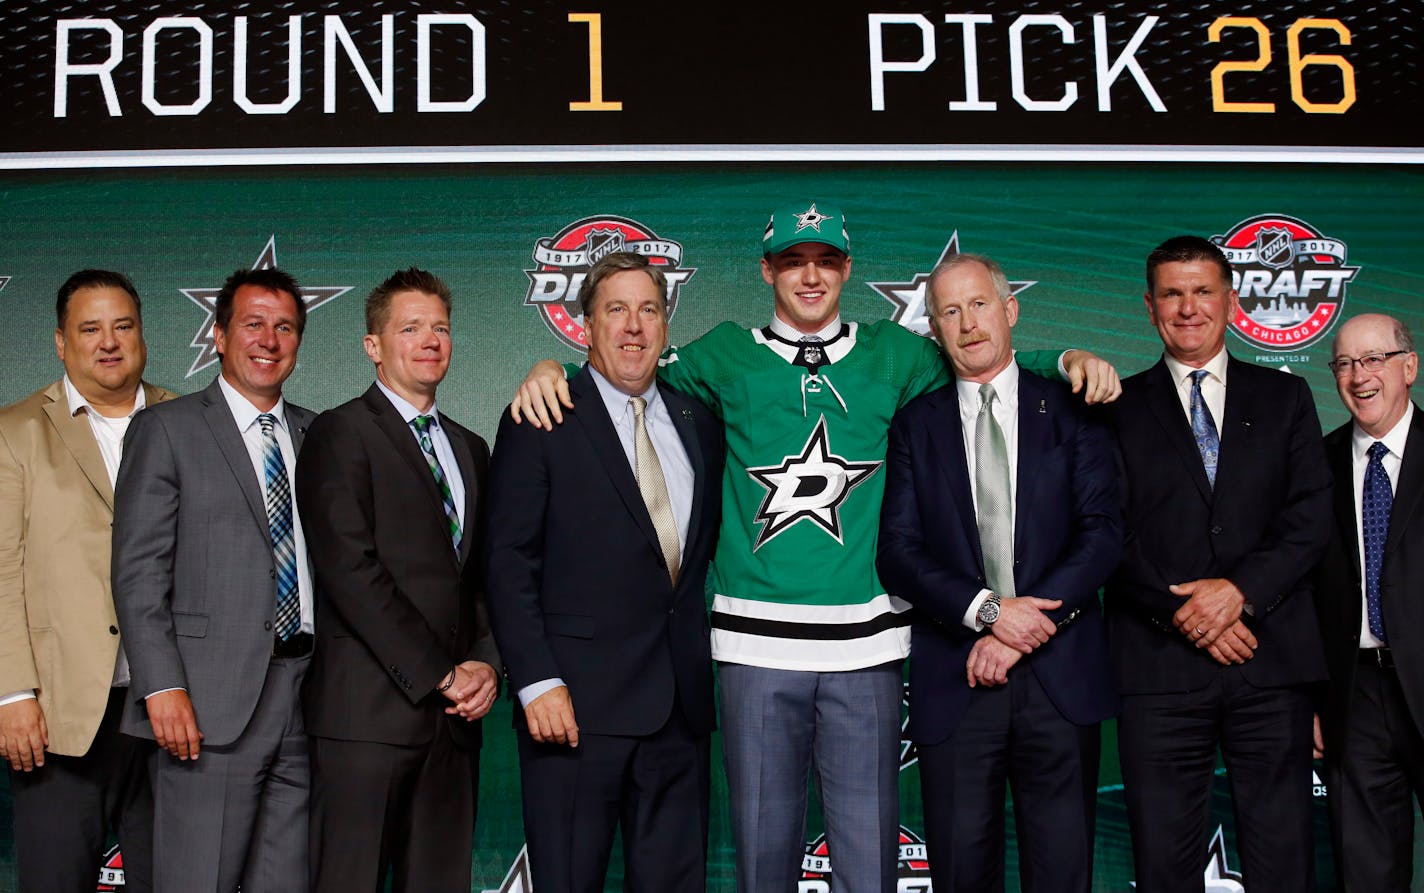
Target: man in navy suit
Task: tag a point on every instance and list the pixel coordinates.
(1213, 638)
(1000, 521)
(599, 537)
(1366, 597)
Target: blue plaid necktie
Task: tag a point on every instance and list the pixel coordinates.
(279, 522)
(422, 425)
(1204, 429)
(1375, 504)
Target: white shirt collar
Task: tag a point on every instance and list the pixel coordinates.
(1215, 367)
(77, 402)
(783, 329)
(244, 413)
(1006, 388)
(406, 409)
(617, 402)
(1394, 439)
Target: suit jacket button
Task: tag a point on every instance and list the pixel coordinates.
(1216, 530)
(272, 573)
(113, 630)
(267, 626)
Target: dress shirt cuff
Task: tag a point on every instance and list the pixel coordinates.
(971, 616)
(528, 693)
(17, 696)
(162, 690)
(1062, 365)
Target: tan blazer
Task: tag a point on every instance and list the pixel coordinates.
(58, 632)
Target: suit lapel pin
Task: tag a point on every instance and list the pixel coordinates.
(1043, 407)
(687, 415)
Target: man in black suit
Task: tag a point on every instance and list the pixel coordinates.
(1366, 595)
(1000, 522)
(1210, 620)
(599, 540)
(404, 662)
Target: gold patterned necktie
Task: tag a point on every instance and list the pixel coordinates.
(653, 487)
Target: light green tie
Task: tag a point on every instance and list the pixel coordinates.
(995, 506)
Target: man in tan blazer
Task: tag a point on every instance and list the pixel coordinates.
(63, 672)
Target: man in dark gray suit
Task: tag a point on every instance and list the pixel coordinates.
(213, 593)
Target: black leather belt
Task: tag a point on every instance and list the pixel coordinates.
(299, 645)
(1379, 657)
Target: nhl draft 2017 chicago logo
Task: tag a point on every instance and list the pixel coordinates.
(912, 869)
(562, 261)
(1290, 278)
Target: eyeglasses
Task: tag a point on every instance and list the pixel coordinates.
(1370, 362)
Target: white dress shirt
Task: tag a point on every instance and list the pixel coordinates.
(245, 414)
(1006, 413)
(672, 456)
(109, 435)
(1213, 387)
(1392, 461)
(439, 440)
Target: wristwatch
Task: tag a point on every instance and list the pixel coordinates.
(989, 609)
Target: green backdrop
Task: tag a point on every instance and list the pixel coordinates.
(1080, 232)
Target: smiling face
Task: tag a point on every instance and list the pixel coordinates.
(259, 344)
(1191, 305)
(101, 346)
(807, 280)
(627, 330)
(412, 349)
(1375, 400)
(972, 321)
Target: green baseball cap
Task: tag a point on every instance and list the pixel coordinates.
(794, 224)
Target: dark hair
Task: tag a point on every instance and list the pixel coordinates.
(93, 279)
(1186, 249)
(378, 302)
(270, 278)
(617, 262)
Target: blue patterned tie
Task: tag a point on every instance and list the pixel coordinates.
(447, 498)
(1204, 429)
(1375, 504)
(279, 522)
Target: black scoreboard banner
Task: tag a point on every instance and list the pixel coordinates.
(206, 81)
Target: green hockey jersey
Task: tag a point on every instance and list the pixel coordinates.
(794, 581)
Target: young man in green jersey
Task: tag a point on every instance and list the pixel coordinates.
(809, 645)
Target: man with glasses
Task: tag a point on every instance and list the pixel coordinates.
(1374, 753)
(1226, 499)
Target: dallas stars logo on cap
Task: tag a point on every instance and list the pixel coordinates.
(810, 217)
(791, 226)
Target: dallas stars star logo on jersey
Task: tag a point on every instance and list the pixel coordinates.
(812, 218)
(810, 486)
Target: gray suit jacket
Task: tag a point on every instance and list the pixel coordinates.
(193, 574)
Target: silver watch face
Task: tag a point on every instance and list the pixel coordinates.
(989, 611)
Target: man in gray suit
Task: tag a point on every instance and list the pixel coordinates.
(213, 593)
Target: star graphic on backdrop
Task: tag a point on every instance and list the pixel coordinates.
(207, 299)
(4, 281)
(516, 880)
(810, 486)
(1218, 876)
(810, 217)
(909, 297)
